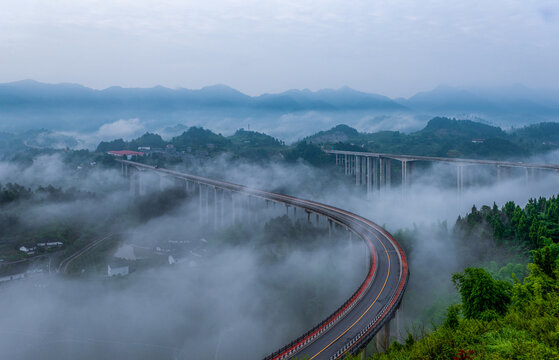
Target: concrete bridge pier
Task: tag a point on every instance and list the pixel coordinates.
(308, 216)
(346, 165)
(382, 176)
(375, 174)
(363, 354)
(388, 182)
(357, 170)
(161, 182)
(499, 176)
(207, 203)
(134, 186)
(368, 178)
(222, 201)
(364, 170)
(141, 183)
(317, 220)
(232, 208)
(404, 177)
(200, 203)
(460, 178)
(383, 337)
(215, 208)
(330, 228)
(399, 316)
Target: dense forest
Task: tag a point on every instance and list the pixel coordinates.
(447, 138)
(500, 316)
(441, 137)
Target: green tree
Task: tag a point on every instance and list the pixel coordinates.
(481, 293)
(544, 260)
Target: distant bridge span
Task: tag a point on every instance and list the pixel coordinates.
(373, 169)
(367, 313)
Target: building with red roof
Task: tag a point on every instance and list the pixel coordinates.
(127, 153)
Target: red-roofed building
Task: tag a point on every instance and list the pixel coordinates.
(127, 153)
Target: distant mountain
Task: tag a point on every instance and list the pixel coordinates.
(328, 100)
(32, 93)
(290, 115)
(516, 103)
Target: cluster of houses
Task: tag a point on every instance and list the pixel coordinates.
(31, 250)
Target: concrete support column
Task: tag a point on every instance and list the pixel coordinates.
(200, 202)
(368, 178)
(375, 174)
(383, 337)
(357, 171)
(215, 208)
(134, 183)
(346, 164)
(399, 315)
(363, 170)
(317, 220)
(498, 173)
(388, 182)
(287, 210)
(141, 183)
(295, 213)
(382, 179)
(232, 208)
(249, 209)
(222, 207)
(207, 220)
(330, 228)
(308, 216)
(404, 176)
(460, 178)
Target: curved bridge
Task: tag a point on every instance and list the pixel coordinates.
(368, 311)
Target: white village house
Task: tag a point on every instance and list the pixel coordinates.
(117, 270)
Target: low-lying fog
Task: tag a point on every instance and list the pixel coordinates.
(231, 302)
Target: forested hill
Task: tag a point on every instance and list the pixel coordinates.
(501, 314)
(446, 138)
(441, 137)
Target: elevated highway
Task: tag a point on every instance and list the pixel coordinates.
(367, 313)
(373, 169)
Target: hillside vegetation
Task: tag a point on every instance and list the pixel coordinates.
(441, 137)
(446, 138)
(500, 317)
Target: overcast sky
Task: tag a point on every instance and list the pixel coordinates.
(393, 47)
